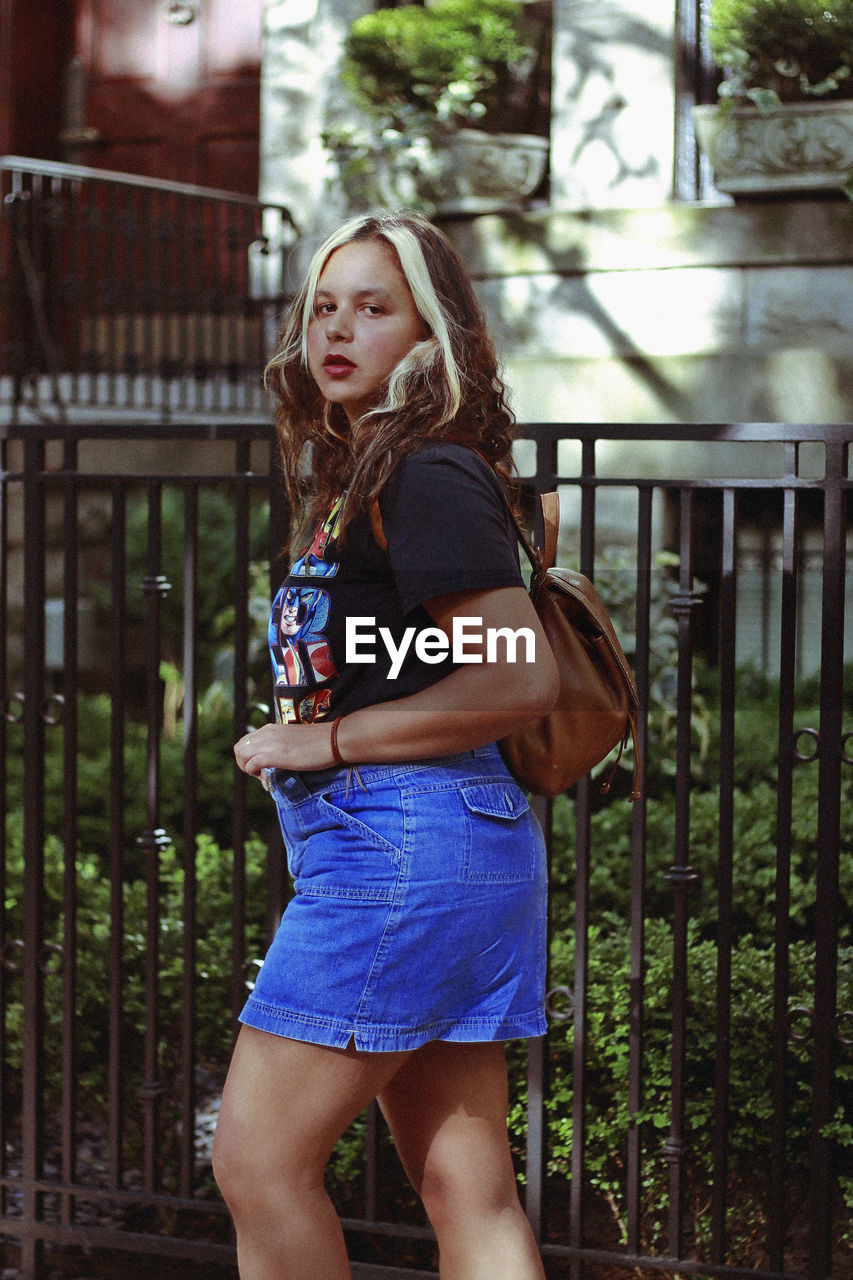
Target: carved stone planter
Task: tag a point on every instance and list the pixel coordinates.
(804, 147)
(466, 171)
(488, 172)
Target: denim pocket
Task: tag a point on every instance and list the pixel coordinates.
(343, 851)
(371, 822)
(500, 834)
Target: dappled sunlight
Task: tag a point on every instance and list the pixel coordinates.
(802, 386)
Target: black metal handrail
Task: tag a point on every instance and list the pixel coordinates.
(100, 519)
(122, 292)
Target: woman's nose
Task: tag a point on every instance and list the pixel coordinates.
(339, 325)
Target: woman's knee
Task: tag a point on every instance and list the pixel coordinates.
(232, 1160)
(452, 1190)
(250, 1167)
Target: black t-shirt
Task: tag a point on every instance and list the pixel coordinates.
(348, 628)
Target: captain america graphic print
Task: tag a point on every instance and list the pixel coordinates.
(301, 657)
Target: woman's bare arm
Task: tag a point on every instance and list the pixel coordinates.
(477, 703)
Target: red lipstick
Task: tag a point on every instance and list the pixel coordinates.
(337, 365)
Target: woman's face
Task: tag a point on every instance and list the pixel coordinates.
(364, 322)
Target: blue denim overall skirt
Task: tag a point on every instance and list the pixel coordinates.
(419, 907)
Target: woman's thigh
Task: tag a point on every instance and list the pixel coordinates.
(446, 1107)
(286, 1103)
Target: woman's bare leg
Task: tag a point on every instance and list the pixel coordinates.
(446, 1107)
(284, 1106)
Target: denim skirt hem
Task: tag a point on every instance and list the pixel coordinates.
(418, 912)
(386, 1039)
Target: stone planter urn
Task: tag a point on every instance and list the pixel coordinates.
(489, 172)
(796, 147)
(466, 171)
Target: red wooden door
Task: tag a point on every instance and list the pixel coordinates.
(167, 89)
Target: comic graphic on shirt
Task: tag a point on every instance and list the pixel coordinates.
(311, 563)
(302, 659)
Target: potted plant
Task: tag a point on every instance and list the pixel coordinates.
(453, 104)
(785, 118)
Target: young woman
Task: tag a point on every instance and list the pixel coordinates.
(414, 944)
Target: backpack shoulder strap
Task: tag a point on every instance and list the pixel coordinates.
(542, 560)
(551, 521)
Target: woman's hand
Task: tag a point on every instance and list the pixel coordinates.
(295, 747)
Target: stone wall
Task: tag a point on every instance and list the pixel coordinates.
(742, 313)
(677, 314)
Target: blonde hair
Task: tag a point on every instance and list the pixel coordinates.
(447, 387)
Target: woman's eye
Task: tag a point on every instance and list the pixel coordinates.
(373, 310)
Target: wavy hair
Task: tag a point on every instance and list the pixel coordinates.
(447, 388)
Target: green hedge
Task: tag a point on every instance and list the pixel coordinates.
(749, 1106)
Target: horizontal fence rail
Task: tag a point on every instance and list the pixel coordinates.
(122, 292)
(688, 1110)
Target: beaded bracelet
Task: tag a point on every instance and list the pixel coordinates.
(333, 742)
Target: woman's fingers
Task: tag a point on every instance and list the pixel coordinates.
(285, 746)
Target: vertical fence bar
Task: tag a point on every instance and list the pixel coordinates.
(782, 906)
(546, 468)
(278, 537)
(32, 1118)
(6, 717)
(579, 1023)
(152, 840)
(241, 724)
(582, 864)
(681, 873)
(118, 653)
(536, 1138)
(823, 1188)
(725, 866)
(636, 978)
(69, 678)
(190, 829)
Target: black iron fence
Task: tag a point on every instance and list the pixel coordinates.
(689, 1110)
(119, 292)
